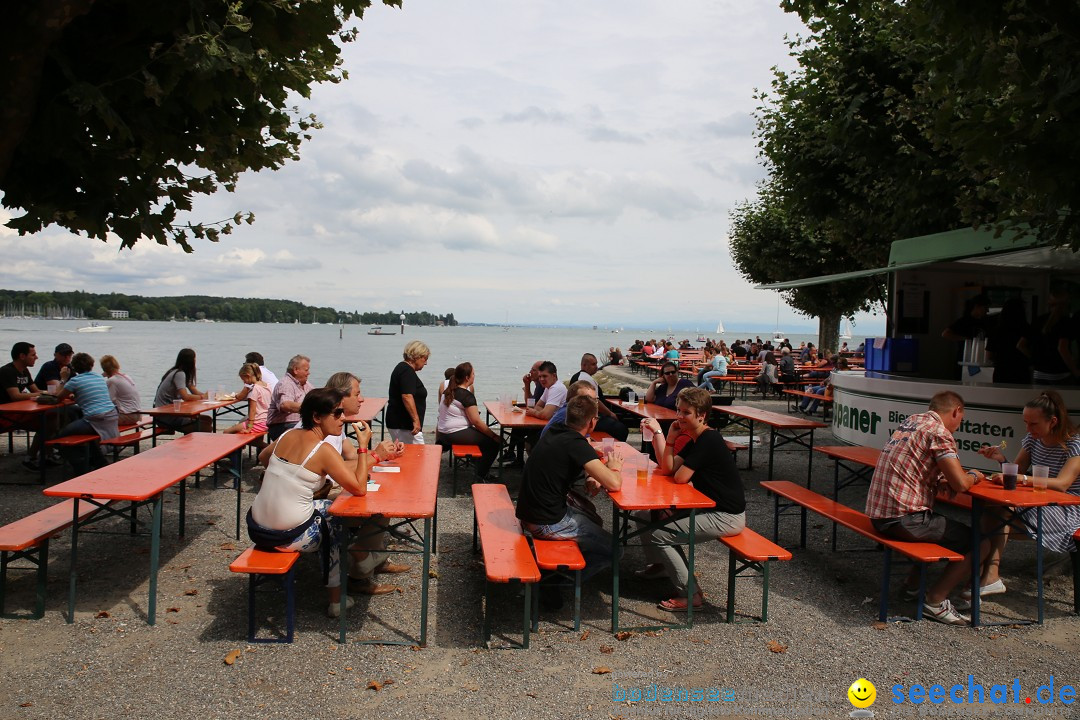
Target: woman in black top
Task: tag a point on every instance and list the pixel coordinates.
(1010, 365)
(408, 396)
(460, 422)
(706, 461)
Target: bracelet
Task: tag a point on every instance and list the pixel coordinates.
(972, 474)
(362, 451)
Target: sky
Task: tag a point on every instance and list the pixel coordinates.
(529, 162)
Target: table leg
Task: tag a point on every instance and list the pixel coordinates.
(614, 568)
(1039, 558)
(690, 568)
(750, 450)
(424, 583)
(772, 448)
(74, 552)
(343, 573)
(239, 460)
(183, 505)
(976, 542)
(44, 453)
(810, 461)
(155, 551)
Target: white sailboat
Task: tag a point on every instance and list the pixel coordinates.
(719, 328)
(846, 333)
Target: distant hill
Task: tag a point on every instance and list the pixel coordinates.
(32, 303)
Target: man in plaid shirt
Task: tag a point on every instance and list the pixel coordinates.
(920, 456)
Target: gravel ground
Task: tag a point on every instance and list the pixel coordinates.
(822, 632)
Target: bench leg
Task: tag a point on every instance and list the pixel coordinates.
(290, 604)
(883, 603)
(577, 600)
(526, 623)
(765, 591)
(1076, 581)
(252, 584)
(731, 571)
(536, 608)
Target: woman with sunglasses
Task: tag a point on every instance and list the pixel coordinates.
(284, 515)
(665, 389)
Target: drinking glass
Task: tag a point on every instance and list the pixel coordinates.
(1008, 475)
(1039, 475)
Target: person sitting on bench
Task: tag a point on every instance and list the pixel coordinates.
(920, 455)
(705, 460)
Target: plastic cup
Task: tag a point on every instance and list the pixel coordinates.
(642, 474)
(608, 444)
(631, 397)
(1008, 475)
(641, 401)
(531, 402)
(1039, 475)
(646, 433)
(176, 404)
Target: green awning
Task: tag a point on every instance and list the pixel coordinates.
(951, 246)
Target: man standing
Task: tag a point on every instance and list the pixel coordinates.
(285, 401)
(57, 370)
(920, 456)
(607, 421)
(554, 465)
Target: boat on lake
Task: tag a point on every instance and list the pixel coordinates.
(94, 327)
(377, 330)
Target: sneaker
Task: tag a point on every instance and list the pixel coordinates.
(31, 464)
(995, 588)
(334, 609)
(945, 613)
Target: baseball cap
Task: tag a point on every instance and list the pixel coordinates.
(63, 349)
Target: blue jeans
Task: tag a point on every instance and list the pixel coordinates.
(812, 403)
(706, 379)
(593, 540)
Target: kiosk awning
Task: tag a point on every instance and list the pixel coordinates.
(965, 245)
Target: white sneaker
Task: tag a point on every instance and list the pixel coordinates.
(945, 613)
(334, 609)
(995, 588)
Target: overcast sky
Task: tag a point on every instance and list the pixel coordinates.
(546, 162)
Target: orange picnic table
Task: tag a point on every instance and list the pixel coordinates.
(783, 430)
(194, 408)
(370, 409)
(510, 418)
(1018, 505)
(409, 494)
(655, 492)
(22, 410)
(142, 480)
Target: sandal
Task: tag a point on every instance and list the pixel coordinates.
(678, 604)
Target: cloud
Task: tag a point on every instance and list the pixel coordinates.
(535, 116)
(740, 124)
(471, 123)
(600, 133)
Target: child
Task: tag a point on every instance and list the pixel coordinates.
(258, 396)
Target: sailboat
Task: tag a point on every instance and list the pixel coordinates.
(846, 333)
(777, 336)
(719, 328)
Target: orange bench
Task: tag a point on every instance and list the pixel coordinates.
(507, 556)
(825, 400)
(462, 455)
(559, 557)
(918, 552)
(262, 566)
(28, 539)
(749, 551)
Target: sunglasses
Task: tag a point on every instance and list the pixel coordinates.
(671, 372)
(338, 412)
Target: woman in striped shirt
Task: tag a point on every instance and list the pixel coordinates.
(1051, 440)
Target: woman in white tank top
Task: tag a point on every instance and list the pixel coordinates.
(284, 515)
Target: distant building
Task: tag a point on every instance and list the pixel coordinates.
(118, 314)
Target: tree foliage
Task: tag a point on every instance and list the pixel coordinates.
(768, 247)
(192, 307)
(117, 113)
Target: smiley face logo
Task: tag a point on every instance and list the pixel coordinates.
(862, 693)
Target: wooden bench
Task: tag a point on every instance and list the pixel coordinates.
(28, 539)
(751, 552)
(559, 557)
(508, 559)
(918, 552)
(131, 434)
(262, 566)
(825, 400)
(462, 455)
(132, 440)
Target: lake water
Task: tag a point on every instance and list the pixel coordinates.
(146, 350)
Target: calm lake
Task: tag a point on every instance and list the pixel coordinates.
(146, 350)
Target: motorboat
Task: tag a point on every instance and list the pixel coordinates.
(377, 330)
(94, 327)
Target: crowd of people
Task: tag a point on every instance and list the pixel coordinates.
(308, 459)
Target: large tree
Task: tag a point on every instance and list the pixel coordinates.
(768, 246)
(117, 112)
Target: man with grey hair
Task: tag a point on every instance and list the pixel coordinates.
(285, 401)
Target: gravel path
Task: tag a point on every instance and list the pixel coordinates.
(822, 632)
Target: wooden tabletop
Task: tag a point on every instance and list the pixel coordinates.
(512, 418)
(1026, 496)
(409, 493)
(648, 410)
(192, 408)
(780, 421)
(143, 476)
(860, 454)
(25, 407)
(368, 410)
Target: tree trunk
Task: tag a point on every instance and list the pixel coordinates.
(828, 333)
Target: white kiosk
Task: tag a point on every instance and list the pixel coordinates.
(930, 279)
